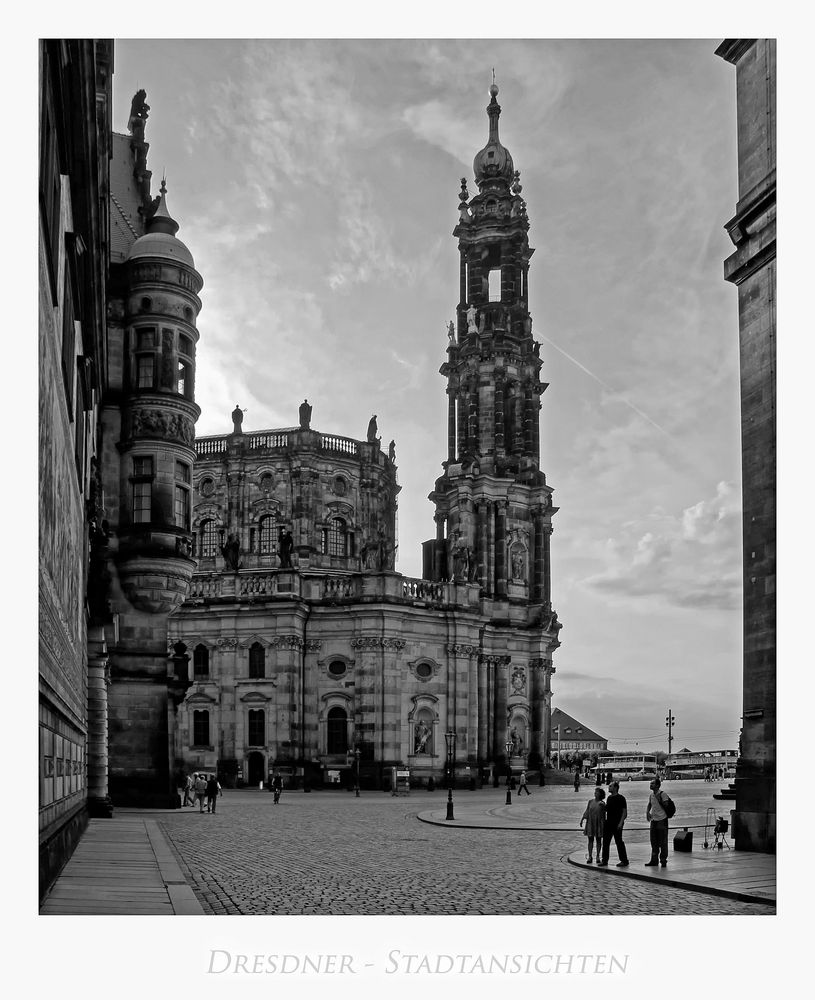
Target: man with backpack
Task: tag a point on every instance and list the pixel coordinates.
(660, 809)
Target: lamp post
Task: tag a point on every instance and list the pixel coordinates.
(450, 740)
(508, 746)
(357, 755)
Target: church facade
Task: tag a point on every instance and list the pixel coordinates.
(309, 654)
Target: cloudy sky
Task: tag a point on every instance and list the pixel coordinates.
(316, 184)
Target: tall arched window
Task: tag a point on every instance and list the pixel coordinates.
(200, 728)
(200, 661)
(267, 536)
(257, 661)
(257, 727)
(337, 741)
(335, 537)
(209, 539)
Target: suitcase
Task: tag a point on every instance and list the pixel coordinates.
(683, 841)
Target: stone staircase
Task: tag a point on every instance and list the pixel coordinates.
(728, 793)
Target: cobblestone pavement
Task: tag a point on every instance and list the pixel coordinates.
(332, 853)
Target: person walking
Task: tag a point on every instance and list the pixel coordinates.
(200, 791)
(189, 794)
(577, 781)
(522, 784)
(616, 814)
(657, 816)
(277, 787)
(213, 790)
(593, 818)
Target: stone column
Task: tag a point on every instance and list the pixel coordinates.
(500, 665)
(547, 565)
(99, 803)
(501, 549)
(482, 508)
(474, 705)
(529, 419)
(483, 710)
(538, 706)
(499, 415)
(461, 420)
(472, 419)
(451, 425)
(539, 564)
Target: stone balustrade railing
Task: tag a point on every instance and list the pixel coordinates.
(423, 590)
(340, 587)
(204, 586)
(275, 441)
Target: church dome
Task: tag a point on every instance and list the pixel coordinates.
(494, 160)
(160, 239)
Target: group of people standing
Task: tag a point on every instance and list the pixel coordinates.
(605, 819)
(201, 788)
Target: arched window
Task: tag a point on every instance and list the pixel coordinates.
(200, 661)
(267, 536)
(335, 537)
(257, 661)
(257, 727)
(337, 731)
(200, 728)
(209, 539)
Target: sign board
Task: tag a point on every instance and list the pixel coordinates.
(400, 781)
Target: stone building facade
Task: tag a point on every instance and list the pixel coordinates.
(117, 309)
(310, 654)
(751, 268)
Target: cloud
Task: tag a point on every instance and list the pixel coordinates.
(690, 561)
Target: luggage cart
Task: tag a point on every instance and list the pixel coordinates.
(718, 826)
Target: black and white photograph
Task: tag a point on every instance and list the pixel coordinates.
(406, 505)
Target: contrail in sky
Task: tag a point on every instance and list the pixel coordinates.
(606, 386)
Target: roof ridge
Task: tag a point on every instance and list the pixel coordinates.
(122, 213)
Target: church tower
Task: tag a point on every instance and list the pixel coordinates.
(493, 506)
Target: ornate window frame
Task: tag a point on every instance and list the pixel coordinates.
(335, 699)
(326, 662)
(434, 664)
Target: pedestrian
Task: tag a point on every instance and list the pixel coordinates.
(616, 814)
(593, 818)
(657, 816)
(577, 781)
(277, 787)
(213, 791)
(188, 791)
(200, 787)
(598, 780)
(522, 785)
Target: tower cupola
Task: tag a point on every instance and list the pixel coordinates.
(160, 238)
(494, 161)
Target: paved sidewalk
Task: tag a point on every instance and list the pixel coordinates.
(741, 875)
(122, 865)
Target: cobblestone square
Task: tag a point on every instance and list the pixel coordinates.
(332, 853)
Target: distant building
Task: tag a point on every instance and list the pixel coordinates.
(752, 269)
(573, 735)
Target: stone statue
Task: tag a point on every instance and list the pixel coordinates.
(392, 452)
(517, 742)
(461, 560)
(285, 548)
(139, 108)
(421, 736)
(451, 333)
(237, 420)
(536, 348)
(472, 326)
(518, 566)
(305, 415)
(231, 551)
(372, 429)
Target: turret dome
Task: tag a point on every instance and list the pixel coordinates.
(494, 160)
(160, 239)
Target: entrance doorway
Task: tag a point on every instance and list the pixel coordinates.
(256, 769)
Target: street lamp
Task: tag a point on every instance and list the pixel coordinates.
(357, 755)
(508, 746)
(450, 740)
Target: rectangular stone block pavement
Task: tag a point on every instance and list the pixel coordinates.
(122, 865)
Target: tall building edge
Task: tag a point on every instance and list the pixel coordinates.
(752, 269)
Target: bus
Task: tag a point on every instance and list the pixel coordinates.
(630, 767)
(714, 765)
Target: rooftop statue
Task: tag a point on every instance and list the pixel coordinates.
(139, 108)
(372, 429)
(305, 415)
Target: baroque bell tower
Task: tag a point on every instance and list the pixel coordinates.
(493, 505)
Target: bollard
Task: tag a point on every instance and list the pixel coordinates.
(450, 804)
(509, 796)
